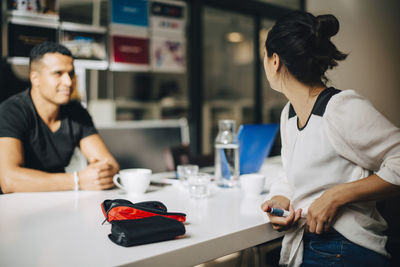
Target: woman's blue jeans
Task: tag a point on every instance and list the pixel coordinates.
(333, 249)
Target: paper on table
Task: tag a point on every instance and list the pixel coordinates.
(165, 178)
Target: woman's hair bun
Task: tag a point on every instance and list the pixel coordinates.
(303, 44)
(326, 26)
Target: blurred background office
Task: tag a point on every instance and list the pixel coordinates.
(199, 59)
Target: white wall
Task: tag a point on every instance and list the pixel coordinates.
(370, 32)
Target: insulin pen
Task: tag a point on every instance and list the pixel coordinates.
(278, 212)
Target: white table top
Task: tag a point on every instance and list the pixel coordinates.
(64, 228)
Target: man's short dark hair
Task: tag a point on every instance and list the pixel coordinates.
(38, 51)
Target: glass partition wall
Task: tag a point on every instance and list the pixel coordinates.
(228, 57)
(234, 84)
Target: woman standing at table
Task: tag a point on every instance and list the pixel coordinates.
(338, 152)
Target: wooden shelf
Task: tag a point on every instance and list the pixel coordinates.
(153, 108)
(91, 64)
(33, 15)
(29, 21)
(18, 60)
(69, 26)
(128, 67)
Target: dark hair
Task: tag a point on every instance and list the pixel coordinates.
(303, 44)
(38, 51)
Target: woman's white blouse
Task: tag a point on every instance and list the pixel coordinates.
(345, 139)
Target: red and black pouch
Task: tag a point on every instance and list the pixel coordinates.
(122, 209)
(141, 223)
(144, 231)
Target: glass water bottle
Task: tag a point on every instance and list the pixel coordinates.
(226, 155)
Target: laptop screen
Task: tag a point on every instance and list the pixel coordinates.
(141, 145)
(255, 143)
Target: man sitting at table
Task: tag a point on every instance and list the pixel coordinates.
(40, 129)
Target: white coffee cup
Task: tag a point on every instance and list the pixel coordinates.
(252, 183)
(133, 181)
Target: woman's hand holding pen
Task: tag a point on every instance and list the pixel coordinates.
(281, 223)
(322, 211)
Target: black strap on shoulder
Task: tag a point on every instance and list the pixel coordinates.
(320, 103)
(292, 113)
(323, 99)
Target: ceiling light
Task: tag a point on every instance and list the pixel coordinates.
(234, 37)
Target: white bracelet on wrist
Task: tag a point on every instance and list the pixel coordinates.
(76, 181)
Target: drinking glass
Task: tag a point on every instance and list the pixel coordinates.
(198, 185)
(184, 171)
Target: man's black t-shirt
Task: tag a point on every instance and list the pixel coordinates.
(43, 149)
